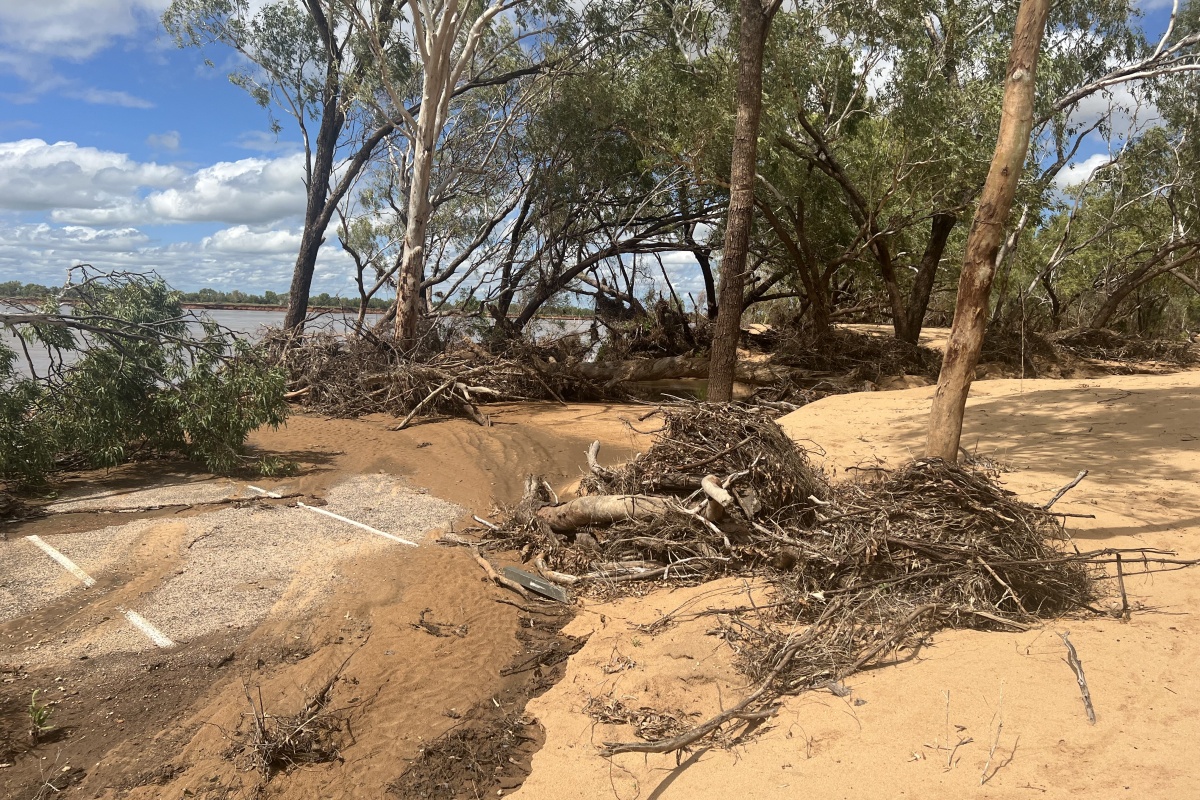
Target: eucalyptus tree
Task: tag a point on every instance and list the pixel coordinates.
(1131, 223)
(754, 23)
(453, 44)
(301, 61)
(325, 64)
(987, 231)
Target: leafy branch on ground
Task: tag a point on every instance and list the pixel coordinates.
(131, 374)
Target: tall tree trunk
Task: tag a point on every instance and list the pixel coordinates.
(316, 212)
(987, 232)
(755, 21)
(922, 288)
(412, 268)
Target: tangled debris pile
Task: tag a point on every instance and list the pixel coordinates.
(858, 573)
(1106, 345)
(345, 376)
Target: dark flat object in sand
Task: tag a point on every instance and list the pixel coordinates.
(536, 584)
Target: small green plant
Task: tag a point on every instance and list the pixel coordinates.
(39, 717)
(276, 467)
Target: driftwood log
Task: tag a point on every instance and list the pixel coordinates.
(584, 512)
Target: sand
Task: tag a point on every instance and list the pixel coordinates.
(896, 734)
(930, 727)
(275, 598)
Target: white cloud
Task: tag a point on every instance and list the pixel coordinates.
(1078, 172)
(35, 175)
(88, 186)
(252, 190)
(164, 141)
(109, 97)
(76, 29)
(235, 258)
(241, 239)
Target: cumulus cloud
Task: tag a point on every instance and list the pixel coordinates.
(164, 141)
(88, 186)
(241, 239)
(76, 29)
(233, 258)
(36, 175)
(1078, 172)
(252, 190)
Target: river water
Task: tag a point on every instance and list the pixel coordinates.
(253, 324)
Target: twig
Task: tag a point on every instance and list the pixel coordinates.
(1077, 666)
(499, 579)
(704, 461)
(742, 710)
(1121, 583)
(1058, 495)
(404, 422)
(983, 776)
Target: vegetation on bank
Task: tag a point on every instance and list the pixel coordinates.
(132, 374)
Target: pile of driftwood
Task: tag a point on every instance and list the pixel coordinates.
(858, 573)
(348, 376)
(1106, 345)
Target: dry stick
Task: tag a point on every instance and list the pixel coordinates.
(702, 462)
(1058, 495)
(499, 579)
(983, 776)
(1121, 583)
(550, 575)
(741, 710)
(1000, 580)
(404, 423)
(1077, 665)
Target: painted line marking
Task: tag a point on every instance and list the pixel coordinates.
(367, 528)
(65, 562)
(264, 492)
(152, 633)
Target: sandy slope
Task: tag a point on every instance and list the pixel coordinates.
(895, 735)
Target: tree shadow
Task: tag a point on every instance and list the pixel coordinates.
(1127, 437)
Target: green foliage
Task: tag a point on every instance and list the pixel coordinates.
(132, 376)
(39, 717)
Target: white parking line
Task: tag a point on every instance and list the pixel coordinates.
(276, 495)
(65, 562)
(152, 633)
(348, 521)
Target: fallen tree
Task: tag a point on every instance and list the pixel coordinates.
(129, 373)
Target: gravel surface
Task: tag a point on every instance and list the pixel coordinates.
(235, 565)
(206, 491)
(29, 579)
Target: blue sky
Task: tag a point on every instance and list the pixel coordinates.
(119, 149)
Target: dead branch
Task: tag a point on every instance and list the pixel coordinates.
(1077, 665)
(499, 579)
(1058, 495)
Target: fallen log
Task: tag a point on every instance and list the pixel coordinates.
(585, 512)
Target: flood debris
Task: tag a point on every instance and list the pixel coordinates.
(858, 574)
